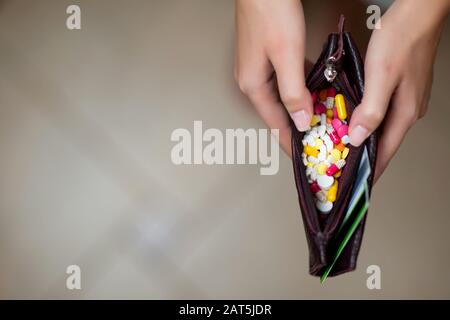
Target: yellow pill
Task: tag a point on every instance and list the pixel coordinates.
(330, 113)
(310, 151)
(337, 174)
(310, 164)
(340, 106)
(345, 152)
(321, 168)
(318, 143)
(336, 154)
(315, 119)
(332, 192)
(323, 95)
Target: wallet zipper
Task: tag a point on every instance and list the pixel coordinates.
(326, 71)
(330, 72)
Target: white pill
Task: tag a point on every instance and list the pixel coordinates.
(330, 103)
(329, 127)
(324, 181)
(323, 119)
(321, 196)
(322, 153)
(310, 141)
(324, 207)
(313, 159)
(345, 139)
(314, 175)
(328, 143)
(321, 131)
(304, 142)
(305, 161)
(331, 159)
(314, 133)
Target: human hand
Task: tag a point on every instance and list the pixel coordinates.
(270, 63)
(398, 68)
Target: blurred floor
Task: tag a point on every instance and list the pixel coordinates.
(86, 177)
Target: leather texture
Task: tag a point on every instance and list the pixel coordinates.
(321, 229)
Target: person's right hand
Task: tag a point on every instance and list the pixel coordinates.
(270, 63)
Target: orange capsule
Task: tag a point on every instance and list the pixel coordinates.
(340, 147)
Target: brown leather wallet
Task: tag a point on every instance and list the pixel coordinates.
(339, 65)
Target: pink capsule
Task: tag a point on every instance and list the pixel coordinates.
(342, 130)
(333, 135)
(336, 123)
(319, 108)
(314, 187)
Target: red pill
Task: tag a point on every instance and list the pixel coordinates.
(331, 92)
(314, 187)
(335, 167)
(332, 170)
(319, 108)
(333, 135)
(314, 96)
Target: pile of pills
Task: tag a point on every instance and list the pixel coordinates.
(325, 147)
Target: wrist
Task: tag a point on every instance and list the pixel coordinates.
(430, 10)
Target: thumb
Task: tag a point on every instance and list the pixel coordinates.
(370, 113)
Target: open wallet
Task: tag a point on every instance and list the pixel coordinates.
(334, 238)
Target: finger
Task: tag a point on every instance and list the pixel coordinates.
(271, 110)
(288, 62)
(401, 116)
(380, 82)
(254, 75)
(293, 92)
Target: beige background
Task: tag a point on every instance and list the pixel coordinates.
(86, 176)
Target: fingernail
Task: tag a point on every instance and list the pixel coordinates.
(358, 135)
(301, 119)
